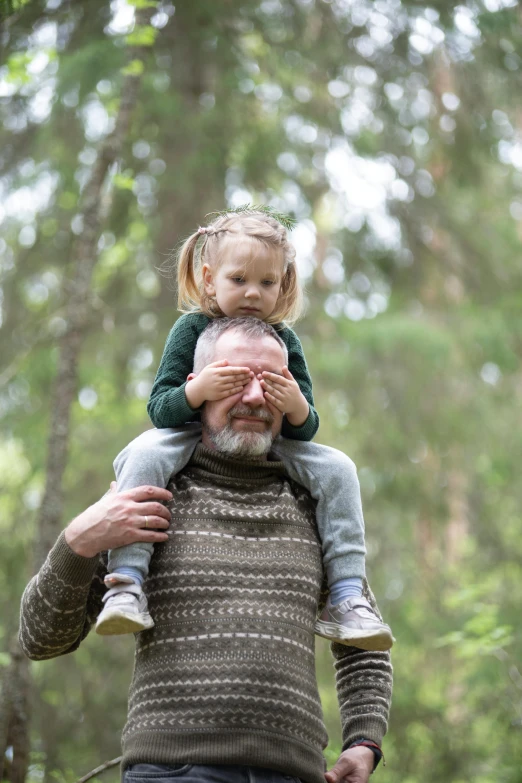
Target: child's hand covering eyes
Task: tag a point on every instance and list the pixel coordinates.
(215, 382)
(283, 392)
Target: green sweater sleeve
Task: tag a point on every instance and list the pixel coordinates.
(298, 367)
(168, 406)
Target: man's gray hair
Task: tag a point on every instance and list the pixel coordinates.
(250, 328)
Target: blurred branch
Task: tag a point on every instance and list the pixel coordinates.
(100, 769)
(93, 210)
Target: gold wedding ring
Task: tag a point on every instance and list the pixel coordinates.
(146, 522)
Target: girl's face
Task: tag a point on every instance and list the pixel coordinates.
(245, 282)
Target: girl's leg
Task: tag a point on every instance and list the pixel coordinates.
(331, 478)
(154, 456)
(151, 459)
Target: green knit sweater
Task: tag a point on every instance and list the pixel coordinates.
(168, 406)
(227, 674)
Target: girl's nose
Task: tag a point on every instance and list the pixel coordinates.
(252, 292)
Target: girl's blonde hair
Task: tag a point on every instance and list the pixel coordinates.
(257, 225)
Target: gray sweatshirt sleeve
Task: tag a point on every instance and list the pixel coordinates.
(60, 604)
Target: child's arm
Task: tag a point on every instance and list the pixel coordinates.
(293, 392)
(174, 400)
(168, 405)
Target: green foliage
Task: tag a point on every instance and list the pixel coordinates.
(143, 3)
(17, 68)
(409, 245)
(142, 35)
(8, 7)
(123, 181)
(134, 68)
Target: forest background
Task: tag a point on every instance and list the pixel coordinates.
(393, 132)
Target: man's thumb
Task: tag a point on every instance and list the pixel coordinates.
(114, 487)
(332, 776)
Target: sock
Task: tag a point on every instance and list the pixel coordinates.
(345, 588)
(134, 573)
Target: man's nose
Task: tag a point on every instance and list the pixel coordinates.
(253, 393)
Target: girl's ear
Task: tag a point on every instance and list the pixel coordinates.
(208, 280)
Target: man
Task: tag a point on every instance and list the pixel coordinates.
(224, 687)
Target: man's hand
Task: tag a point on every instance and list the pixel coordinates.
(355, 765)
(120, 518)
(215, 382)
(283, 392)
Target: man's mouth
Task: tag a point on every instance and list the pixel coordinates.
(259, 416)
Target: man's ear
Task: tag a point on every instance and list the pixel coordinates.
(191, 376)
(208, 280)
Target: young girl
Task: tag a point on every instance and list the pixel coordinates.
(245, 267)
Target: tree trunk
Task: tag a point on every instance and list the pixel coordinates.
(14, 696)
(78, 312)
(14, 717)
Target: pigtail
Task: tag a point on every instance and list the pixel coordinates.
(289, 306)
(189, 288)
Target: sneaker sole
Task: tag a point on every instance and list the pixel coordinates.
(119, 623)
(372, 640)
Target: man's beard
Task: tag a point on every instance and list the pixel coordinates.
(244, 443)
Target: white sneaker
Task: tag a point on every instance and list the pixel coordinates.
(353, 622)
(126, 611)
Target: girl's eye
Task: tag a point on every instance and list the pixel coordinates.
(237, 279)
(268, 282)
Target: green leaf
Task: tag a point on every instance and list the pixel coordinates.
(17, 68)
(67, 200)
(123, 182)
(134, 68)
(51, 697)
(138, 231)
(143, 3)
(142, 36)
(114, 257)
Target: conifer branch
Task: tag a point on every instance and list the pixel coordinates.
(287, 221)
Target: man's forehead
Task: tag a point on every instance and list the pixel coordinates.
(258, 353)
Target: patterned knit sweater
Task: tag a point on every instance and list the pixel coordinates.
(227, 674)
(168, 406)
